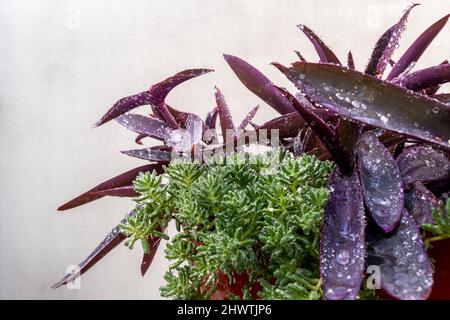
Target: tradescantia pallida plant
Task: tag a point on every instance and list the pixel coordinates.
(388, 135)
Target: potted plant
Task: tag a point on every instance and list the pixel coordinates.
(359, 184)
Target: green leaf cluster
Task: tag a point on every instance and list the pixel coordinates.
(441, 228)
(257, 216)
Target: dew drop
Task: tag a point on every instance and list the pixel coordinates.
(339, 95)
(343, 257)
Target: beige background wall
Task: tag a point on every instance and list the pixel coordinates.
(62, 63)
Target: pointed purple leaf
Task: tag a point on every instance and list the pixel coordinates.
(405, 269)
(419, 201)
(181, 117)
(373, 101)
(211, 118)
(160, 90)
(248, 118)
(126, 191)
(147, 258)
(124, 105)
(308, 142)
(381, 182)
(321, 129)
(299, 55)
(349, 133)
(288, 125)
(423, 163)
(144, 125)
(259, 84)
(385, 46)
(154, 96)
(139, 138)
(350, 61)
(325, 53)
(415, 51)
(154, 154)
(112, 240)
(425, 78)
(433, 89)
(342, 240)
(121, 180)
(226, 121)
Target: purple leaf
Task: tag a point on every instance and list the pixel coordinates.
(124, 105)
(385, 46)
(349, 133)
(248, 118)
(342, 240)
(154, 154)
(194, 125)
(139, 138)
(182, 117)
(325, 54)
(405, 269)
(112, 240)
(308, 142)
(374, 66)
(259, 84)
(299, 55)
(381, 182)
(211, 118)
(350, 62)
(425, 78)
(226, 121)
(391, 139)
(373, 101)
(288, 125)
(144, 125)
(415, 51)
(147, 258)
(121, 180)
(160, 90)
(433, 89)
(155, 96)
(419, 201)
(322, 130)
(423, 163)
(126, 191)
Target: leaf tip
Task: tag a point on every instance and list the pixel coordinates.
(280, 67)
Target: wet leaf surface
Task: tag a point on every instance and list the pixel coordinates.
(154, 96)
(288, 124)
(405, 269)
(324, 52)
(112, 240)
(415, 51)
(226, 121)
(426, 78)
(373, 101)
(342, 240)
(381, 182)
(118, 181)
(151, 154)
(147, 126)
(385, 46)
(419, 201)
(423, 163)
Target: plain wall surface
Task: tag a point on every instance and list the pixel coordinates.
(63, 63)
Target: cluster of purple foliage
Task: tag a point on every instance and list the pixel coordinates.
(389, 137)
